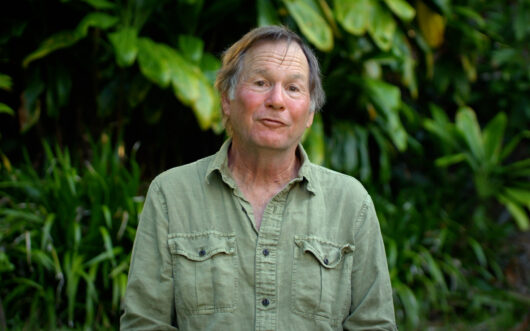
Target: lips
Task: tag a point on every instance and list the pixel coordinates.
(271, 122)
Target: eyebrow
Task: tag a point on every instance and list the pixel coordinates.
(265, 71)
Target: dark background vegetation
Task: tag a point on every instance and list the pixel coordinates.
(427, 105)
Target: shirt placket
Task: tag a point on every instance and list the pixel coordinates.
(266, 263)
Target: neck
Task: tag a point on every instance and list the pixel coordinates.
(254, 168)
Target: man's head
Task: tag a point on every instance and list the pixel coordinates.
(233, 62)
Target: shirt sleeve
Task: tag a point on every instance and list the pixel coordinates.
(372, 307)
(149, 297)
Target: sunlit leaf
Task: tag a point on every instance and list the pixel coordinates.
(354, 16)
(163, 65)
(432, 24)
(152, 64)
(402, 9)
(191, 47)
(125, 43)
(519, 195)
(493, 135)
(311, 23)
(95, 20)
(519, 214)
(382, 27)
(206, 107)
(467, 124)
(448, 160)
(209, 66)
(5, 109)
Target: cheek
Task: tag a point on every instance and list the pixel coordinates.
(300, 107)
(250, 100)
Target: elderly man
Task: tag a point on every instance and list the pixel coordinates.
(256, 237)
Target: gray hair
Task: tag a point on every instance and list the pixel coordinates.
(232, 62)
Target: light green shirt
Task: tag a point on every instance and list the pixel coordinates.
(317, 262)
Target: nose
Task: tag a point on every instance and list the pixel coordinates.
(275, 98)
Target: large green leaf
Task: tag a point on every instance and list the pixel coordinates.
(209, 66)
(5, 109)
(493, 135)
(448, 160)
(467, 124)
(402, 9)
(153, 64)
(311, 23)
(125, 43)
(206, 107)
(57, 41)
(519, 214)
(184, 78)
(387, 99)
(382, 27)
(521, 196)
(354, 16)
(95, 20)
(164, 65)
(191, 47)
(65, 39)
(266, 13)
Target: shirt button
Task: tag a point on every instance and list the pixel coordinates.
(202, 252)
(326, 261)
(265, 302)
(266, 252)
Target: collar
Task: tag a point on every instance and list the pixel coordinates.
(219, 164)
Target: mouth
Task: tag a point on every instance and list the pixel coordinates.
(273, 123)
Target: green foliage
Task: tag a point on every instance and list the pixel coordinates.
(484, 154)
(427, 106)
(66, 235)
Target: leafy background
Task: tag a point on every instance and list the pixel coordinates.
(427, 105)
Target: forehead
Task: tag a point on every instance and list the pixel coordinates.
(276, 55)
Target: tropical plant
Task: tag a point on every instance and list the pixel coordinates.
(66, 236)
(484, 154)
(395, 73)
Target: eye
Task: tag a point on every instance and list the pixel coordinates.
(293, 88)
(260, 83)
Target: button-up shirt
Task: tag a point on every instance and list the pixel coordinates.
(317, 261)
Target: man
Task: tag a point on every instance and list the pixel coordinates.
(256, 237)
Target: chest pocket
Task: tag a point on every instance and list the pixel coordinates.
(321, 286)
(204, 271)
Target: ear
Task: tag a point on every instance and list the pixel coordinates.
(310, 119)
(225, 104)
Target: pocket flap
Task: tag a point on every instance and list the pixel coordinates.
(203, 245)
(328, 254)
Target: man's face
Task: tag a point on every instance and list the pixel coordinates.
(270, 108)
